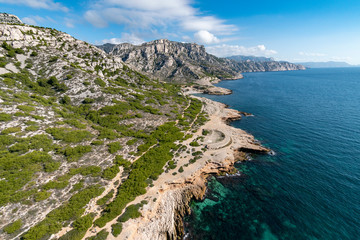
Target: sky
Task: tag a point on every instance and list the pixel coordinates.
(295, 31)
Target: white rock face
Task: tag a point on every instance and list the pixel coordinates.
(9, 18)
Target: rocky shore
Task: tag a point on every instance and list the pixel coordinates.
(169, 198)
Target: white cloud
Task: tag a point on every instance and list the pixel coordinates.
(95, 19)
(225, 50)
(205, 37)
(69, 22)
(145, 14)
(29, 20)
(45, 4)
(35, 20)
(125, 38)
(312, 54)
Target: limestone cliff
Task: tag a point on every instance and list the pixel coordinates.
(181, 62)
(9, 18)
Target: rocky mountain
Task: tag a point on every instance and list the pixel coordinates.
(9, 18)
(184, 62)
(81, 135)
(173, 61)
(242, 58)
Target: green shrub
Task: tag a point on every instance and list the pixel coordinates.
(110, 172)
(120, 161)
(19, 51)
(41, 141)
(53, 59)
(55, 185)
(6, 46)
(42, 195)
(75, 153)
(114, 147)
(69, 135)
(102, 235)
(93, 171)
(88, 101)
(25, 108)
(11, 130)
(75, 123)
(11, 53)
(97, 143)
(19, 148)
(106, 198)
(131, 142)
(131, 211)
(181, 169)
(33, 54)
(116, 229)
(13, 227)
(5, 117)
(100, 82)
(194, 144)
(83, 223)
(66, 100)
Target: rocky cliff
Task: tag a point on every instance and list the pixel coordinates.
(9, 18)
(182, 62)
(172, 61)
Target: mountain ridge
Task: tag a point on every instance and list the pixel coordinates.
(186, 62)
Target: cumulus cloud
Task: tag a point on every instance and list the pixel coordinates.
(44, 4)
(145, 14)
(205, 37)
(312, 54)
(125, 38)
(225, 50)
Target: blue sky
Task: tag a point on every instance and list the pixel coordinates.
(316, 30)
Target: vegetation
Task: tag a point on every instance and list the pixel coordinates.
(13, 227)
(131, 211)
(80, 226)
(106, 198)
(76, 123)
(68, 135)
(75, 153)
(102, 235)
(148, 166)
(114, 147)
(57, 218)
(116, 229)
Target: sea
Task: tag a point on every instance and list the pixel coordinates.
(310, 188)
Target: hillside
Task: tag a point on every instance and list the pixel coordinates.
(186, 62)
(82, 134)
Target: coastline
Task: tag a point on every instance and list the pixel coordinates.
(169, 198)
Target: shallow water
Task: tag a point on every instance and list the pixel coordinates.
(311, 188)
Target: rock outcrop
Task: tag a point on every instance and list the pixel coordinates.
(9, 18)
(185, 62)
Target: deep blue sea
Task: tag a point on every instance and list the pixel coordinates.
(311, 188)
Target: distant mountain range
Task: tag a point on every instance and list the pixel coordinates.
(330, 64)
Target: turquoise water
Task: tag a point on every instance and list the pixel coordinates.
(311, 188)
